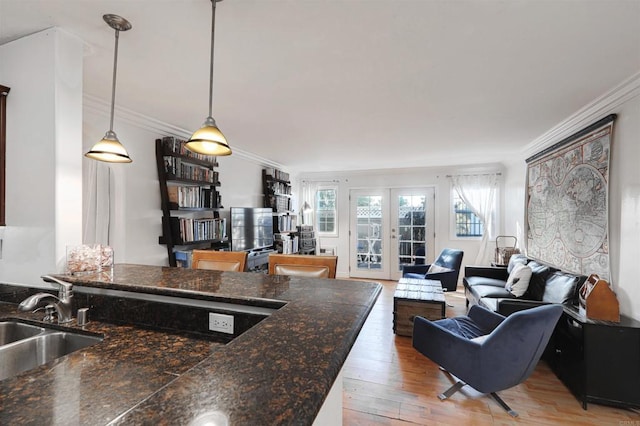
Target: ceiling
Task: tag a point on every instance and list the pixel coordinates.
(321, 85)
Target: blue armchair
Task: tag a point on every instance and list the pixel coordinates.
(449, 258)
(485, 350)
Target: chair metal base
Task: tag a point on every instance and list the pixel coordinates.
(504, 405)
(459, 385)
(453, 389)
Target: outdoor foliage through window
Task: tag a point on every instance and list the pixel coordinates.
(466, 222)
(326, 210)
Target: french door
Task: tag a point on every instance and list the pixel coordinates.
(389, 228)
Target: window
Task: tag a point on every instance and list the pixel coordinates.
(478, 219)
(326, 211)
(466, 223)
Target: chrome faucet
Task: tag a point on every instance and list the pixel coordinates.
(61, 303)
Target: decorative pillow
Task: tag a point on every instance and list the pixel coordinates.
(437, 268)
(515, 260)
(518, 281)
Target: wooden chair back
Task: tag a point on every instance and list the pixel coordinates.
(303, 265)
(219, 260)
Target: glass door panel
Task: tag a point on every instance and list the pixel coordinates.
(389, 228)
(412, 214)
(369, 224)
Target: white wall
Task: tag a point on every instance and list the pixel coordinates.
(624, 186)
(43, 168)
(136, 214)
(44, 172)
(46, 138)
(401, 178)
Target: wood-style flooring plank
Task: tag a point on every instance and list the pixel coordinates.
(387, 382)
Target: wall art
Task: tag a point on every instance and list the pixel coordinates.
(567, 201)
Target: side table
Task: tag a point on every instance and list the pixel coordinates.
(416, 297)
(597, 360)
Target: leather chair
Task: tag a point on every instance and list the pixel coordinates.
(303, 265)
(486, 350)
(219, 260)
(451, 259)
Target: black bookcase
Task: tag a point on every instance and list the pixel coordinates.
(189, 198)
(277, 196)
(277, 191)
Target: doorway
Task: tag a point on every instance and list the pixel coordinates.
(389, 228)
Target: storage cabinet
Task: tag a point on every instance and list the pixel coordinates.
(190, 200)
(307, 241)
(599, 361)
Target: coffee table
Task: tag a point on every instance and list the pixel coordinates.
(416, 297)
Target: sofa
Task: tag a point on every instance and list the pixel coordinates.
(487, 286)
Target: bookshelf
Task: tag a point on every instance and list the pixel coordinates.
(190, 200)
(277, 196)
(277, 190)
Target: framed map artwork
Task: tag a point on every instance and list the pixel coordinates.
(567, 205)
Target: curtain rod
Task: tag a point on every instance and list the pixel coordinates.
(477, 174)
(321, 181)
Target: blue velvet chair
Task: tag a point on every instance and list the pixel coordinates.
(485, 350)
(449, 258)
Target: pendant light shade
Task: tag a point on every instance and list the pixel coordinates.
(208, 139)
(109, 149)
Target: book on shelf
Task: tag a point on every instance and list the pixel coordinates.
(193, 197)
(286, 244)
(175, 145)
(189, 230)
(279, 188)
(276, 174)
(176, 168)
(285, 223)
(278, 203)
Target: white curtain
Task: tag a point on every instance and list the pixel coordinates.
(309, 190)
(479, 194)
(97, 203)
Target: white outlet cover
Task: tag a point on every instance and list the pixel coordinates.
(221, 322)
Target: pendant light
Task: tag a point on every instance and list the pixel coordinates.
(109, 149)
(208, 139)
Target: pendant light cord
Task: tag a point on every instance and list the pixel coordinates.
(113, 87)
(213, 27)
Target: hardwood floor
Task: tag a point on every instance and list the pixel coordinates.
(387, 382)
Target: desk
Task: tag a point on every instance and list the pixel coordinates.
(416, 297)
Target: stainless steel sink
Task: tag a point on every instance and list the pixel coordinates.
(31, 352)
(11, 331)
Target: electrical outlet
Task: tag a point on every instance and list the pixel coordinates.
(221, 322)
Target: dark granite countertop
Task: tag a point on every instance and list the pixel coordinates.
(277, 372)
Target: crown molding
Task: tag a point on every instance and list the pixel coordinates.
(593, 111)
(145, 122)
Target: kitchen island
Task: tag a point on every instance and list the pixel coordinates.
(278, 371)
